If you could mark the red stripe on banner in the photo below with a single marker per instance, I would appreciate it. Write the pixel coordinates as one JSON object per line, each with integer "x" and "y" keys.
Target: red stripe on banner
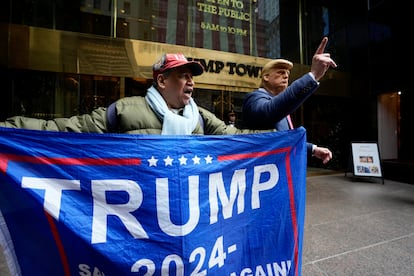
{"x": 293, "y": 211}
{"x": 5, "y": 158}
{"x": 59, "y": 244}
{"x": 290, "y": 188}
{"x": 240, "y": 156}
{"x": 3, "y": 163}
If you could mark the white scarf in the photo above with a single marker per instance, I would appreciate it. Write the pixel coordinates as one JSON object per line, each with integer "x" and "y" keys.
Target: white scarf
{"x": 173, "y": 124}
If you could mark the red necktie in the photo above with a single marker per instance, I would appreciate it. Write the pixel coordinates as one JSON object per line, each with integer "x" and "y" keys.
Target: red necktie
{"x": 289, "y": 121}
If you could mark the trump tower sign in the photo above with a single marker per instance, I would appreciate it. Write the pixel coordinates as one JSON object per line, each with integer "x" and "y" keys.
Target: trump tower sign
{"x": 119, "y": 204}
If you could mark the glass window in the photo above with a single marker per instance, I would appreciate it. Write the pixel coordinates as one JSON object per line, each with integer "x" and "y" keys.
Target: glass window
{"x": 96, "y": 4}
{"x": 231, "y": 26}
{"x": 127, "y": 8}
{"x": 48, "y": 95}
{"x": 97, "y": 91}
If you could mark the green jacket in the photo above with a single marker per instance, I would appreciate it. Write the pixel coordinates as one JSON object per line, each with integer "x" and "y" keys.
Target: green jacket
{"x": 133, "y": 115}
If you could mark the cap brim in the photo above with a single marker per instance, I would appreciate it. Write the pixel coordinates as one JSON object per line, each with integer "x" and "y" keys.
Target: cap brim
{"x": 276, "y": 64}
{"x": 281, "y": 63}
{"x": 195, "y": 67}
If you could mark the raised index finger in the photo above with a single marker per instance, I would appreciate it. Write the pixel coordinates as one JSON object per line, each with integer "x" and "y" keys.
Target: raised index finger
{"x": 321, "y": 47}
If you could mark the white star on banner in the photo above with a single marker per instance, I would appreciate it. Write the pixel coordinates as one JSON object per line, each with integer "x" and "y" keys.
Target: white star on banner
{"x": 208, "y": 159}
{"x": 168, "y": 161}
{"x": 183, "y": 160}
{"x": 196, "y": 160}
{"x": 152, "y": 162}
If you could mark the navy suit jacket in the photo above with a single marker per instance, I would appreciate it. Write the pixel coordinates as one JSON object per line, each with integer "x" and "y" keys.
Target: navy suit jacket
{"x": 263, "y": 110}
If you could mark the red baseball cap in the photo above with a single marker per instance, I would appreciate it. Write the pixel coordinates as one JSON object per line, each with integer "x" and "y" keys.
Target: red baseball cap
{"x": 169, "y": 61}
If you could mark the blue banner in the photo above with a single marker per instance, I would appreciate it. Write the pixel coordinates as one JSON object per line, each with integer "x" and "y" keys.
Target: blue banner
{"x": 118, "y": 204}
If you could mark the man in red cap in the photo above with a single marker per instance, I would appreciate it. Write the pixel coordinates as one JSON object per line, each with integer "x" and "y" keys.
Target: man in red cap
{"x": 168, "y": 108}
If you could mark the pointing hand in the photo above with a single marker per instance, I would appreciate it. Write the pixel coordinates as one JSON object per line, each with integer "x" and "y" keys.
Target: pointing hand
{"x": 321, "y": 61}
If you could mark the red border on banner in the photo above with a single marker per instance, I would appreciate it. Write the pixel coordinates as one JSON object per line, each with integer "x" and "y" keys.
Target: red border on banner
{"x": 290, "y": 187}
{"x": 5, "y": 158}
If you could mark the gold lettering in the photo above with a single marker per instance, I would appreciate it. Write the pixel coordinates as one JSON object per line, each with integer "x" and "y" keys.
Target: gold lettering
{"x": 209, "y": 26}
{"x": 207, "y": 8}
{"x": 234, "y": 14}
{"x": 237, "y": 4}
{"x": 223, "y": 2}
{"x": 223, "y": 29}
